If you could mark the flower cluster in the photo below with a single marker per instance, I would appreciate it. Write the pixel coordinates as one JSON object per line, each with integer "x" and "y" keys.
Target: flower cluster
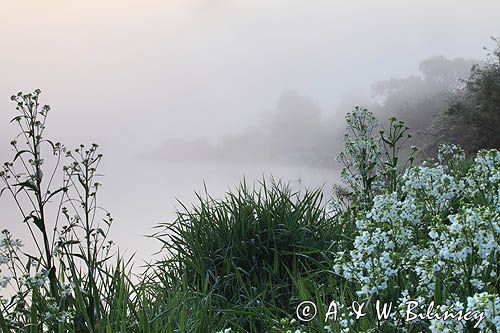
{"x": 54, "y": 315}
{"x": 384, "y": 242}
{"x": 466, "y": 248}
{"x": 450, "y": 154}
{"x": 483, "y": 179}
{"x": 8, "y": 249}
{"x": 484, "y": 303}
{"x": 432, "y": 186}
{"x": 437, "y": 238}
{"x": 489, "y": 304}
{"x": 361, "y": 155}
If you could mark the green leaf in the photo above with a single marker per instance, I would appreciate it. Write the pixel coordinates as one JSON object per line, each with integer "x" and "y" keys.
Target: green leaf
{"x": 27, "y": 184}
{"x": 16, "y": 118}
{"x": 99, "y": 230}
{"x": 81, "y": 306}
{"x": 39, "y": 223}
{"x": 19, "y": 153}
{"x": 55, "y": 192}
{"x": 3, "y": 323}
{"x": 71, "y": 242}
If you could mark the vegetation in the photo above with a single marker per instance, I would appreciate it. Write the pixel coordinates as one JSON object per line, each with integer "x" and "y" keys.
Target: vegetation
{"x": 433, "y": 238}
{"x": 472, "y": 119}
{"x": 248, "y": 252}
{"x": 452, "y": 101}
{"x": 73, "y": 280}
{"x": 394, "y": 231}
{"x": 447, "y": 101}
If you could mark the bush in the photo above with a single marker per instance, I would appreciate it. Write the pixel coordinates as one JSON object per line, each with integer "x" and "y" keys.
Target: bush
{"x": 433, "y": 237}
{"x": 472, "y": 119}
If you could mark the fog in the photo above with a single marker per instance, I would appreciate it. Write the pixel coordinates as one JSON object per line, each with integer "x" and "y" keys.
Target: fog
{"x": 178, "y": 93}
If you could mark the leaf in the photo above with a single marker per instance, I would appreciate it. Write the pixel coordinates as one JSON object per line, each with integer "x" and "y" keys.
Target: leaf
{"x": 16, "y": 118}
{"x": 28, "y": 264}
{"x": 3, "y": 324}
{"x": 19, "y": 153}
{"x": 99, "y": 230}
{"x": 55, "y": 192}
{"x": 27, "y": 218}
{"x": 39, "y": 223}
{"x": 81, "y": 307}
{"x": 71, "y": 242}
{"x": 27, "y": 184}
{"x": 78, "y": 255}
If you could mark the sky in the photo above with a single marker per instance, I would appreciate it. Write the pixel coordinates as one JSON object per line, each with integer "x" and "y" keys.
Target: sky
{"x": 134, "y": 75}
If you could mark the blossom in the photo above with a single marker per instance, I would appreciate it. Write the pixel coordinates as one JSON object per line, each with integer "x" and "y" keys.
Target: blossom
{"x": 489, "y": 305}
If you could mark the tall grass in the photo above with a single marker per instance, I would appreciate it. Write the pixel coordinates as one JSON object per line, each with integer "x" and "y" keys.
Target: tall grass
{"x": 246, "y": 251}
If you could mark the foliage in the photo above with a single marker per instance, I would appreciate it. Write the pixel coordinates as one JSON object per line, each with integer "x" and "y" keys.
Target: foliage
{"x": 395, "y": 232}
{"x": 433, "y": 237}
{"x": 418, "y": 99}
{"x": 371, "y": 158}
{"x": 246, "y": 250}
{"x": 472, "y": 119}
{"x": 68, "y": 283}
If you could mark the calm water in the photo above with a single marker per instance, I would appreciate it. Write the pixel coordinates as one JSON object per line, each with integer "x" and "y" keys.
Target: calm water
{"x": 143, "y": 194}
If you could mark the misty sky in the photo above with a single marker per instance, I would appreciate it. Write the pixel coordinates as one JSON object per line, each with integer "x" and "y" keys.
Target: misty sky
{"x": 132, "y": 75}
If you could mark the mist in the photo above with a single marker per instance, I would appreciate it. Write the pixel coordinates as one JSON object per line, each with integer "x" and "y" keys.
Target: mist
{"x": 186, "y": 94}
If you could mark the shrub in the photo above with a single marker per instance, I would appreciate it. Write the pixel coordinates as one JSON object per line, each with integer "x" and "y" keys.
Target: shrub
{"x": 436, "y": 239}
{"x": 472, "y": 118}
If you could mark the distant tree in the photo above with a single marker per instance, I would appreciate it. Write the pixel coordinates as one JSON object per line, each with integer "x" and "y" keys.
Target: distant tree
{"x": 473, "y": 117}
{"x": 417, "y": 99}
{"x": 293, "y": 132}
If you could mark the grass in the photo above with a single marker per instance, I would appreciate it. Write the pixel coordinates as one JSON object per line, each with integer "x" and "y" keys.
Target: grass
{"x": 248, "y": 252}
